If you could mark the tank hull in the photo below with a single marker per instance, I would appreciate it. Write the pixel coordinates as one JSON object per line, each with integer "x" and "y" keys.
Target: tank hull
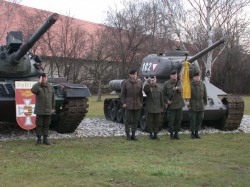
{"x": 8, "y": 111}
{"x": 71, "y": 103}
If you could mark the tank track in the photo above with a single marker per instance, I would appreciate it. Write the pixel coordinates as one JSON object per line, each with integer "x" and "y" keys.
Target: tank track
{"x": 71, "y": 115}
{"x": 232, "y": 119}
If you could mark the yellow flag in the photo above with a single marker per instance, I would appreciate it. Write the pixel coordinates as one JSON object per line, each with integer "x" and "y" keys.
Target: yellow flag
{"x": 186, "y": 81}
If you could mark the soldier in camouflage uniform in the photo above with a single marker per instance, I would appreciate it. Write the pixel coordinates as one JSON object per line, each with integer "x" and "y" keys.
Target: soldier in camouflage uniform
{"x": 198, "y": 103}
{"x": 132, "y": 98}
{"x": 154, "y": 106}
{"x": 172, "y": 93}
{"x": 45, "y": 106}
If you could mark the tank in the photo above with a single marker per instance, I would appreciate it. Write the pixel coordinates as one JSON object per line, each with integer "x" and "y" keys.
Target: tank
{"x": 18, "y": 64}
{"x": 225, "y": 113}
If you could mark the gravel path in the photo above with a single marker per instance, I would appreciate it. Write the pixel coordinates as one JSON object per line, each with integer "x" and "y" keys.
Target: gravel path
{"x": 91, "y": 127}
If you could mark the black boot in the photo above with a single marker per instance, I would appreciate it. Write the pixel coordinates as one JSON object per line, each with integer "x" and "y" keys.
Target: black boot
{"x": 133, "y": 136}
{"x": 192, "y": 135}
{"x": 38, "y": 140}
{"x": 176, "y": 136}
{"x": 171, "y": 136}
{"x": 45, "y": 141}
{"x": 155, "y": 136}
{"x": 151, "y": 136}
{"x": 197, "y": 135}
{"x": 128, "y": 136}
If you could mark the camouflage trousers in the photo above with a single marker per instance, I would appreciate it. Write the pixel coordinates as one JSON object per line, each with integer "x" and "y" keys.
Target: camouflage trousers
{"x": 42, "y": 124}
{"x": 195, "y": 120}
{"x": 131, "y": 118}
{"x": 153, "y": 122}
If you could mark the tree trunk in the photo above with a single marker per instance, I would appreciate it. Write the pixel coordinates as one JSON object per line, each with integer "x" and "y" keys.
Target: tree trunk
{"x": 99, "y": 89}
{"x": 209, "y": 42}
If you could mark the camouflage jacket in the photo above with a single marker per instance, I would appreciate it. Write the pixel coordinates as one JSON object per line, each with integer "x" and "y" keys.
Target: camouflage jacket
{"x": 45, "y": 98}
{"x": 175, "y": 96}
{"x": 155, "y": 101}
{"x": 198, "y": 96}
{"x": 131, "y": 94}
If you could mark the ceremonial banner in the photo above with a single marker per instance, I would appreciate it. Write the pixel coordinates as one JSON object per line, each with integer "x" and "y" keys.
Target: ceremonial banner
{"x": 186, "y": 81}
{"x": 25, "y": 104}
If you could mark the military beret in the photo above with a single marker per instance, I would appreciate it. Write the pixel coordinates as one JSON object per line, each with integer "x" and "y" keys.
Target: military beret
{"x": 152, "y": 76}
{"x": 173, "y": 72}
{"x": 196, "y": 74}
{"x": 132, "y": 72}
{"x": 43, "y": 75}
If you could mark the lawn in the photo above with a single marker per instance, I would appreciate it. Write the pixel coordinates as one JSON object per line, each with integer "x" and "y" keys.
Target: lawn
{"x": 96, "y": 107}
{"x": 247, "y": 104}
{"x": 214, "y": 160}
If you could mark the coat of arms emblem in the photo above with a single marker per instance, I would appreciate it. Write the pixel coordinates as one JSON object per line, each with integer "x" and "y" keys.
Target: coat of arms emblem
{"x": 25, "y": 104}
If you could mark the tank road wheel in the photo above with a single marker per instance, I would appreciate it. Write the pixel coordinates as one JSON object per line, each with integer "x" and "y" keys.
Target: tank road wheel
{"x": 235, "y": 109}
{"x": 143, "y": 119}
{"x": 71, "y": 115}
{"x": 112, "y": 110}
{"x": 119, "y": 112}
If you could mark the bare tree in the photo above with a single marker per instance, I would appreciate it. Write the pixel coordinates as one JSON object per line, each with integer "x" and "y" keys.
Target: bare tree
{"x": 173, "y": 15}
{"x": 62, "y": 46}
{"x": 205, "y": 17}
{"x": 232, "y": 72}
{"x": 131, "y": 28}
{"x": 7, "y": 11}
{"x": 100, "y": 55}
{"x": 71, "y": 45}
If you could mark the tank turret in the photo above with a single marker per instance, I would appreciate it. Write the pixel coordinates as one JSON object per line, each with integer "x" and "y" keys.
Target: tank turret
{"x": 28, "y": 44}
{"x": 17, "y": 65}
{"x": 162, "y": 64}
{"x": 14, "y": 59}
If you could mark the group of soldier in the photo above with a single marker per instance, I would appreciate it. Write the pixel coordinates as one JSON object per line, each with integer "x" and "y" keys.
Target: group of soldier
{"x": 157, "y": 97}
{"x": 132, "y": 100}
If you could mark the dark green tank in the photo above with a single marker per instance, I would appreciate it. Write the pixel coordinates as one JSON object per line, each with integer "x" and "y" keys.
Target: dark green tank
{"x": 223, "y": 113}
{"x": 17, "y": 64}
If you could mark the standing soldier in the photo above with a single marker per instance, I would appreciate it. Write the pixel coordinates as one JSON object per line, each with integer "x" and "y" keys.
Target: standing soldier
{"x": 45, "y": 106}
{"x": 132, "y": 98}
{"x": 198, "y": 103}
{"x": 154, "y": 106}
{"x": 172, "y": 92}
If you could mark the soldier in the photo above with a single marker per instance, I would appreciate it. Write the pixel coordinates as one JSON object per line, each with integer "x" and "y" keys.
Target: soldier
{"x": 132, "y": 98}
{"x": 45, "y": 106}
{"x": 198, "y": 103}
{"x": 154, "y": 106}
{"x": 172, "y": 92}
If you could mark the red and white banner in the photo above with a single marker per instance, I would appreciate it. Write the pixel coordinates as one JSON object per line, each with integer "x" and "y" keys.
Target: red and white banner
{"x": 25, "y": 104}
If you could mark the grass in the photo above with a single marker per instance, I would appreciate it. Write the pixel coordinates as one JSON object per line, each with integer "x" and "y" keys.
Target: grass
{"x": 246, "y": 104}
{"x": 214, "y": 160}
{"x": 96, "y": 107}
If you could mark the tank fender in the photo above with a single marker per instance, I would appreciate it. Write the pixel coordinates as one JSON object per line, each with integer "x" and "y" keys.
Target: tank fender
{"x": 73, "y": 90}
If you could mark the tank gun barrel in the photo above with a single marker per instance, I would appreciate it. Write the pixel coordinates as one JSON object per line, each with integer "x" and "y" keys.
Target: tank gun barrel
{"x": 200, "y": 54}
{"x": 28, "y": 44}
